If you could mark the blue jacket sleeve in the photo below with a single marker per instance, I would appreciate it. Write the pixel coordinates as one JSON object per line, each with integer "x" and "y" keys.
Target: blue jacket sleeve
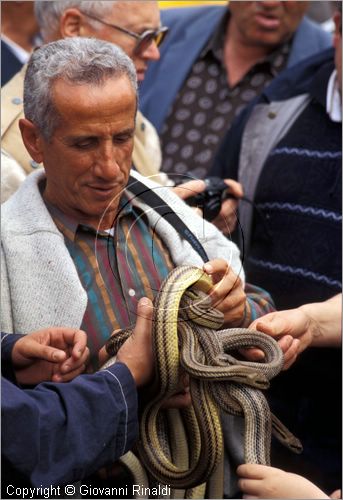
{"x": 7, "y": 342}
{"x": 59, "y": 433}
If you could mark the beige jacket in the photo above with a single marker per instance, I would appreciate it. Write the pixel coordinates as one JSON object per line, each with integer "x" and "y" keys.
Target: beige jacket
{"x": 146, "y": 156}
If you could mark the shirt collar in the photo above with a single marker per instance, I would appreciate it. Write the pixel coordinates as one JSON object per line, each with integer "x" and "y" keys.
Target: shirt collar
{"x": 69, "y": 226}
{"x": 21, "y": 54}
{"x": 334, "y": 99}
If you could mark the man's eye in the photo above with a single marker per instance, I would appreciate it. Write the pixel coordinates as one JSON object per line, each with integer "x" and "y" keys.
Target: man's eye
{"x": 121, "y": 139}
{"x": 84, "y": 144}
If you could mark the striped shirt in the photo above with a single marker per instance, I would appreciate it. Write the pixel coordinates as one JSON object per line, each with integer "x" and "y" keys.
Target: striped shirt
{"x": 116, "y": 268}
{"x": 119, "y": 266}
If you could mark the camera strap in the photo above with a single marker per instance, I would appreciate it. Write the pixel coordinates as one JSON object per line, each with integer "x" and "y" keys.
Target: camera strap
{"x": 150, "y": 198}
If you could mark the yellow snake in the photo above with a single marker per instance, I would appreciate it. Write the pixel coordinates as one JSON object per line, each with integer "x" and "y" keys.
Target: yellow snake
{"x": 184, "y": 335}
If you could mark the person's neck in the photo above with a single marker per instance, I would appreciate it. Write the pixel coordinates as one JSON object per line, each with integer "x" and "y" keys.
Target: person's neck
{"x": 22, "y": 34}
{"x": 102, "y": 222}
{"x": 240, "y": 56}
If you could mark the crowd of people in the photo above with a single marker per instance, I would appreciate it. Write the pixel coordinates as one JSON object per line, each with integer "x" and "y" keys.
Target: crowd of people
{"x": 118, "y": 95}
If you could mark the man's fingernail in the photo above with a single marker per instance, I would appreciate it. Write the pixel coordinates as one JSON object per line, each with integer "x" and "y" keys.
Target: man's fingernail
{"x": 208, "y": 268}
{"x": 144, "y": 301}
{"x": 57, "y": 356}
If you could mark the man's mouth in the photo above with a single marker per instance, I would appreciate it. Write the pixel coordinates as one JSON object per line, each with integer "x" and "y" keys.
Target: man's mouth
{"x": 267, "y": 22}
{"x": 103, "y": 191}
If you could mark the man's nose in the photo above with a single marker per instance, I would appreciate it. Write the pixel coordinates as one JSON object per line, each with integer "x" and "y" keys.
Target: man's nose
{"x": 152, "y": 52}
{"x": 106, "y": 165}
{"x": 268, "y": 4}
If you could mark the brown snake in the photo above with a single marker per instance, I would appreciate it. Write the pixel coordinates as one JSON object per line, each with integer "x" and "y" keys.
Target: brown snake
{"x": 185, "y": 333}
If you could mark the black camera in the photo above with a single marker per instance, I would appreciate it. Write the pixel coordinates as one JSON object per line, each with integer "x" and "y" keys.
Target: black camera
{"x": 210, "y": 200}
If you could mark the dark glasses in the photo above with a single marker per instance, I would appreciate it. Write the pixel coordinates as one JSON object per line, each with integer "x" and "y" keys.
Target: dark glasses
{"x": 143, "y": 40}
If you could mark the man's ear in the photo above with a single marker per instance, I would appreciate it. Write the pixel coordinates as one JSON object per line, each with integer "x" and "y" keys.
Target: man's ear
{"x": 32, "y": 139}
{"x": 72, "y": 24}
{"x": 337, "y": 18}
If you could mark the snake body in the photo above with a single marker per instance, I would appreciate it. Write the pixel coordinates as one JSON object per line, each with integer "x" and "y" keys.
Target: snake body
{"x": 184, "y": 335}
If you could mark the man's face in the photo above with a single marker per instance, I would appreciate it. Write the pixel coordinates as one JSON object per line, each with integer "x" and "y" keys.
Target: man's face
{"x": 266, "y": 23}
{"x": 137, "y": 16}
{"x": 88, "y": 158}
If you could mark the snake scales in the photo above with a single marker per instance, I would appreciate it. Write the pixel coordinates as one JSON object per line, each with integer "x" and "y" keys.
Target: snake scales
{"x": 185, "y": 333}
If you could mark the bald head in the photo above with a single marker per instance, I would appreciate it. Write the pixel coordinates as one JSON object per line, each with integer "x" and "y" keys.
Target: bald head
{"x": 49, "y": 14}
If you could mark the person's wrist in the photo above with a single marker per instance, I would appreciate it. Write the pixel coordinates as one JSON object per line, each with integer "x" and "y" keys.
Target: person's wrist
{"x": 311, "y": 328}
{"x": 246, "y": 319}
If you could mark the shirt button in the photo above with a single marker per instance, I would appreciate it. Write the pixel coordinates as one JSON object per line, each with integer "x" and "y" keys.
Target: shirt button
{"x": 142, "y": 127}
{"x": 272, "y": 115}
{"x": 132, "y": 293}
{"x": 16, "y": 100}
{"x": 34, "y": 164}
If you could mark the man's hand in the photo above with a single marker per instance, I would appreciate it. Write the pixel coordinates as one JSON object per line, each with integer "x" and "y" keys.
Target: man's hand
{"x": 289, "y": 344}
{"x": 317, "y": 324}
{"x": 189, "y": 188}
{"x": 227, "y": 293}
{"x": 54, "y": 354}
{"x": 292, "y": 329}
{"x": 182, "y": 398}
{"x": 136, "y": 352}
{"x": 226, "y": 221}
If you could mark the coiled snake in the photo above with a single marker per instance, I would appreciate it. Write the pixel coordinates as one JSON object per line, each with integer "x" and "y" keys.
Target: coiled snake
{"x": 185, "y": 333}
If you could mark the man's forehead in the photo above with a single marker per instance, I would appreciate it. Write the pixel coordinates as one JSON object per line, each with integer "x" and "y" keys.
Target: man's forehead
{"x": 135, "y": 12}
{"x": 68, "y": 97}
{"x": 91, "y": 84}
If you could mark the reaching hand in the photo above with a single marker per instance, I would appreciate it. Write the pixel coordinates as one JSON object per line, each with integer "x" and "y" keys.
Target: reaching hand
{"x": 136, "y": 352}
{"x": 292, "y": 329}
{"x": 54, "y": 354}
{"x": 261, "y": 481}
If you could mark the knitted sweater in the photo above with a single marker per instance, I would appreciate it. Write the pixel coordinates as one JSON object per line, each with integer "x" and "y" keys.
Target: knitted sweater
{"x": 296, "y": 243}
{"x": 293, "y": 241}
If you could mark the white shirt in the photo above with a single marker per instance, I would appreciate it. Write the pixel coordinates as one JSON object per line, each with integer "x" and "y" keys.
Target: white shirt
{"x": 334, "y": 99}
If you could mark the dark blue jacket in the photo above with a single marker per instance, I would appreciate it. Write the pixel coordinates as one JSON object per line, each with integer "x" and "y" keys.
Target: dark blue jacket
{"x": 10, "y": 65}
{"x": 58, "y": 433}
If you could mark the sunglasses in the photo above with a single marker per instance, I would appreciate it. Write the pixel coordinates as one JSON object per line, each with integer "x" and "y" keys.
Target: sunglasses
{"x": 143, "y": 40}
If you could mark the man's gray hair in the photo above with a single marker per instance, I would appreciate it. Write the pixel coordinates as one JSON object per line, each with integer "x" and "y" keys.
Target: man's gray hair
{"x": 48, "y": 13}
{"x": 80, "y": 61}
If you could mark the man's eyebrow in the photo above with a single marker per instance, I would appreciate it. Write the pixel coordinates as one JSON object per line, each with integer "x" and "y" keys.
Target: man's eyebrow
{"x": 81, "y": 137}
{"x": 129, "y": 131}
{"x": 69, "y": 139}
{"x": 140, "y": 29}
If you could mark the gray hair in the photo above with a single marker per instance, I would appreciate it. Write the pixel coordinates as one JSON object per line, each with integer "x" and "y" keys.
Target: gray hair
{"x": 75, "y": 60}
{"x": 48, "y": 13}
